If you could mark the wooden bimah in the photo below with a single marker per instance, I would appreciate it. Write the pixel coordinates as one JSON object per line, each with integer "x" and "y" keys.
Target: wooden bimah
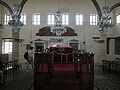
{"x": 63, "y": 68}
{"x": 62, "y": 54}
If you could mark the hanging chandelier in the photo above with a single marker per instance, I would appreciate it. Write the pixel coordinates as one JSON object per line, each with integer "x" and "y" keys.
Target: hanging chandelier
{"x": 15, "y": 18}
{"x": 105, "y": 22}
{"x": 58, "y": 28}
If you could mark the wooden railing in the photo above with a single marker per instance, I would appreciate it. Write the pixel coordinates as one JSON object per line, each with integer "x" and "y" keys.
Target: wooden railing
{"x": 79, "y": 60}
{"x": 9, "y": 68}
{"x": 86, "y": 61}
{"x": 41, "y": 59}
{"x": 52, "y": 77}
{"x": 63, "y": 57}
{"x": 11, "y": 65}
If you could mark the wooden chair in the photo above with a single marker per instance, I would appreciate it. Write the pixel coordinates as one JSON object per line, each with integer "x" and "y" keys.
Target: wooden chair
{"x": 105, "y": 65}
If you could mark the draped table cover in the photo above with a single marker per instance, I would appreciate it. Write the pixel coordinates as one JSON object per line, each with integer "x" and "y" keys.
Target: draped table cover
{"x": 62, "y": 53}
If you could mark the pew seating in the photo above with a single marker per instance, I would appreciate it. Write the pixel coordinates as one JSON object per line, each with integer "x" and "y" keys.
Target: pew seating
{"x": 111, "y": 66}
{"x": 10, "y": 68}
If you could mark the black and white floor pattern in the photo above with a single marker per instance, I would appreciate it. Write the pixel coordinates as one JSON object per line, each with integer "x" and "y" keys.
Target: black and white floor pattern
{"x": 25, "y": 81}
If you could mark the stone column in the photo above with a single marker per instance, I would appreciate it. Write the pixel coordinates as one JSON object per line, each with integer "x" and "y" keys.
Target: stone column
{"x": 15, "y": 7}
{"x": 15, "y": 46}
{"x": 16, "y": 24}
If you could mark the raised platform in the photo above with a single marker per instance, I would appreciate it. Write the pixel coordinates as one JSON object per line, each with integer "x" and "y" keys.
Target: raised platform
{"x": 63, "y": 81}
{"x": 52, "y": 75}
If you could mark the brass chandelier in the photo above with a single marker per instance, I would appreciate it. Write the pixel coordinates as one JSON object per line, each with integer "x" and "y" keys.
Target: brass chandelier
{"x": 58, "y": 28}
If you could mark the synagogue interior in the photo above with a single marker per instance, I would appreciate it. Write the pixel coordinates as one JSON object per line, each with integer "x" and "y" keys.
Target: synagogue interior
{"x": 59, "y": 44}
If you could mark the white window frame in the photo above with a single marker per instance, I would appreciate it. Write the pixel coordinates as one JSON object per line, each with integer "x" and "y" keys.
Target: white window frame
{"x": 23, "y": 18}
{"x": 51, "y": 19}
{"x": 79, "y": 19}
{"x": 7, "y": 19}
{"x": 6, "y": 46}
{"x": 36, "y": 19}
{"x": 65, "y": 19}
{"x": 118, "y": 19}
{"x": 93, "y": 19}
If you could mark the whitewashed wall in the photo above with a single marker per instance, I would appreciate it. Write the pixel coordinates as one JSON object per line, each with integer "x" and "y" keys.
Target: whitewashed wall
{"x": 85, "y": 32}
{"x": 112, "y": 55}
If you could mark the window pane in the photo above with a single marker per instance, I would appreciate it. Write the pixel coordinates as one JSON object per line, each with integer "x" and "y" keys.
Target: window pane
{"x": 50, "y": 19}
{"x": 36, "y": 19}
{"x": 118, "y": 19}
{"x": 6, "y": 46}
{"x": 65, "y": 19}
{"x": 7, "y": 19}
{"x": 79, "y": 19}
{"x": 23, "y": 18}
{"x": 93, "y": 19}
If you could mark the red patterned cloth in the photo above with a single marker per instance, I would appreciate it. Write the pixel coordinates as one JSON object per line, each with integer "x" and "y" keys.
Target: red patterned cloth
{"x": 62, "y": 53}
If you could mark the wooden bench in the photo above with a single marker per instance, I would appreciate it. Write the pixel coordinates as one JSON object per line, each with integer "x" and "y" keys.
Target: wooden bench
{"x": 110, "y": 66}
{"x": 10, "y": 68}
{"x": 12, "y": 65}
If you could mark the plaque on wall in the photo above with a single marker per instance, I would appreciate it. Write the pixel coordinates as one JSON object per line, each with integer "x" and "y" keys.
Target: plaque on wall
{"x": 56, "y": 40}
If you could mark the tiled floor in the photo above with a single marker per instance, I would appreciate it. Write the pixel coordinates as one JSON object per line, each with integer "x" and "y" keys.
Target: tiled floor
{"x": 25, "y": 81}
{"x": 21, "y": 80}
{"x": 106, "y": 81}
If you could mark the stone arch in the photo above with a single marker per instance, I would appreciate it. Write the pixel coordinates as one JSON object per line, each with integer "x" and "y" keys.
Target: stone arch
{"x": 97, "y": 8}
{"x": 115, "y": 6}
{"x": 22, "y": 4}
{"x": 6, "y": 5}
{"x": 10, "y": 10}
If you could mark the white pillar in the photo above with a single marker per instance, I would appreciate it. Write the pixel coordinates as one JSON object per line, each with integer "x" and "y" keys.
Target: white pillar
{"x": 15, "y": 46}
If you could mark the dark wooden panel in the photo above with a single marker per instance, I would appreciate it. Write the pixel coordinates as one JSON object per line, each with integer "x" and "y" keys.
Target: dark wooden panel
{"x": 45, "y": 31}
{"x": 4, "y": 57}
